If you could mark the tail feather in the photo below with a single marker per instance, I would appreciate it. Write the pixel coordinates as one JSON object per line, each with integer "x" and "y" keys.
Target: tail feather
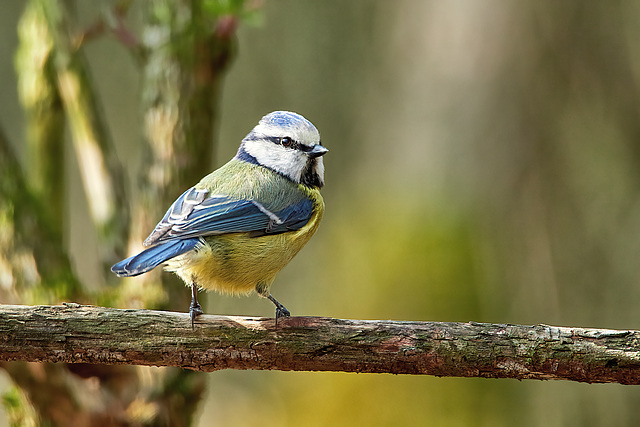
{"x": 152, "y": 257}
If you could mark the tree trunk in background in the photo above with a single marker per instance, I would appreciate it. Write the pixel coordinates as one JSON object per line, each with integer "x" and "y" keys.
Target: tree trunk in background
{"x": 185, "y": 51}
{"x": 32, "y": 208}
{"x": 101, "y": 173}
{"x": 186, "y": 55}
{"x": 44, "y": 114}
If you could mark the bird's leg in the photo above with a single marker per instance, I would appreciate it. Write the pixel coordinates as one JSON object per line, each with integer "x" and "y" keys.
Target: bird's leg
{"x": 263, "y": 290}
{"x": 194, "y": 309}
{"x": 281, "y": 311}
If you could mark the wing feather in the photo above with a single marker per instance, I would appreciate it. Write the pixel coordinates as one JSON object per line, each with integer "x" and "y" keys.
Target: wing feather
{"x": 196, "y": 213}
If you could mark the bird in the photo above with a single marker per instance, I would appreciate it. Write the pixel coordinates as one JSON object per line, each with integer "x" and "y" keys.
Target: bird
{"x": 240, "y": 225}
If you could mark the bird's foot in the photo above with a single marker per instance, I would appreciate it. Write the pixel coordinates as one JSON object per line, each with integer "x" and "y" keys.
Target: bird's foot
{"x": 281, "y": 310}
{"x": 194, "y": 311}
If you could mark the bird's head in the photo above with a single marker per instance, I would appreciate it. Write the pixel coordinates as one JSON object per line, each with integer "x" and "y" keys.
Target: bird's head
{"x": 286, "y": 143}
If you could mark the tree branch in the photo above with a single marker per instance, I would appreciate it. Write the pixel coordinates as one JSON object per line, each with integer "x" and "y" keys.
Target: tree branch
{"x": 86, "y": 334}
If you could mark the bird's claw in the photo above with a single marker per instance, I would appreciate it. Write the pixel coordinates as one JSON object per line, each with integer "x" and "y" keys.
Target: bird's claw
{"x": 194, "y": 311}
{"x": 281, "y": 312}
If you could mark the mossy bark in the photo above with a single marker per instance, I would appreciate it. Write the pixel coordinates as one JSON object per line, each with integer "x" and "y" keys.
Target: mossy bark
{"x": 84, "y": 334}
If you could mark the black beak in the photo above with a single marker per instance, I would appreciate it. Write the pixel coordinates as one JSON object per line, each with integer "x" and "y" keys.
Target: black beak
{"x": 317, "y": 151}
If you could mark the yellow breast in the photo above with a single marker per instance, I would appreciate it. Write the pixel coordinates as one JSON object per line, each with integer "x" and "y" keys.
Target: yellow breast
{"x": 235, "y": 263}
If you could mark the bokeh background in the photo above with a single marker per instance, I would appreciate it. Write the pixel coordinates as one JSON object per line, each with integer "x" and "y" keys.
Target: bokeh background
{"x": 484, "y": 165}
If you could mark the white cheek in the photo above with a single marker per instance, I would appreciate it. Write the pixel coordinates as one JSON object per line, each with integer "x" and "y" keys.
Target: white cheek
{"x": 319, "y": 169}
{"x": 283, "y": 160}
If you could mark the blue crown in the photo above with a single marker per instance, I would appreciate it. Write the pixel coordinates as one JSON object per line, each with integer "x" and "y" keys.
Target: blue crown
{"x": 287, "y": 119}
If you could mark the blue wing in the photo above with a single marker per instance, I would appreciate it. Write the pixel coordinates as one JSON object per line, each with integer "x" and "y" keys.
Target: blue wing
{"x": 196, "y": 214}
{"x": 152, "y": 257}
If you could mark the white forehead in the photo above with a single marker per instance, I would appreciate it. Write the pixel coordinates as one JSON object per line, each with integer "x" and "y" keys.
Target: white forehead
{"x": 286, "y": 123}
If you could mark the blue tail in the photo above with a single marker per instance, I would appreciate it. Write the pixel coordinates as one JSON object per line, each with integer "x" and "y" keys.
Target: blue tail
{"x": 152, "y": 257}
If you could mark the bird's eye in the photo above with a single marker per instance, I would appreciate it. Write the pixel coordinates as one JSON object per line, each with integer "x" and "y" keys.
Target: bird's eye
{"x": 286, "y": 141}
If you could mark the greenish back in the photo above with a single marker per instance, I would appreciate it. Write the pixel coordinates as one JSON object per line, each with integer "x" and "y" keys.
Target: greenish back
{"x": 242, "y": 180}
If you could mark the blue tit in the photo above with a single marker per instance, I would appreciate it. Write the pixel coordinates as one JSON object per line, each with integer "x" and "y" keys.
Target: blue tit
{"x": 241, "y": 224}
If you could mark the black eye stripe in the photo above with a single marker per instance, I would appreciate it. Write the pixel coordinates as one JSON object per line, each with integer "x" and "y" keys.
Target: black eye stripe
{"x": 274, "y": 139}
{"x": 295, "y": 145}
{"x": 285, "y": 141}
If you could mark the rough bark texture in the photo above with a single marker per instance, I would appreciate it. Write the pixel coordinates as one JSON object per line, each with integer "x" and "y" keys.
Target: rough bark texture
{"x": 97, "y": 335}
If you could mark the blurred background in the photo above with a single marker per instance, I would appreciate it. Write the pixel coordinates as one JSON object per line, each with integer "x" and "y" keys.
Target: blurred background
{"x": 484, "y": 165}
